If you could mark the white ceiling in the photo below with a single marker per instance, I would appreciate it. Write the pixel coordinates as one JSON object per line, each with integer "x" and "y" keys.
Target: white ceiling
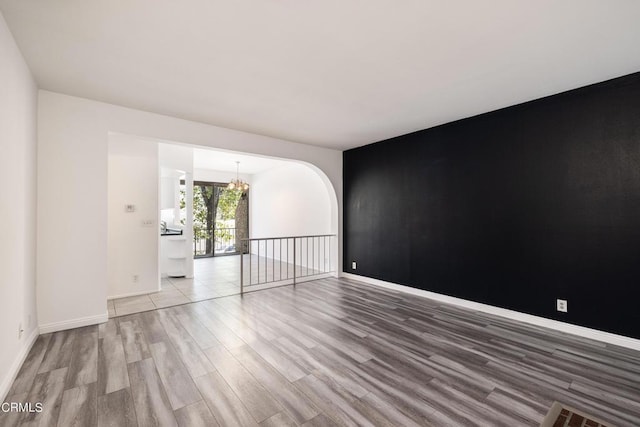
{"x": 226, "y": 162}
{"x": 335, "y": 73}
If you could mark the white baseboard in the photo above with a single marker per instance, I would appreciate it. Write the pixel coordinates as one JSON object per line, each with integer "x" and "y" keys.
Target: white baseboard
{"x": 7, "y": 381}
{"x": 568, "y": 328}
{"x": 74, "y": 323}
{"x": 133, "y": 294}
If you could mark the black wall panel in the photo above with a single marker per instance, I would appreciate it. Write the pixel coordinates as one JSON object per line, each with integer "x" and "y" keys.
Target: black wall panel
{"x": 513, "y": 208}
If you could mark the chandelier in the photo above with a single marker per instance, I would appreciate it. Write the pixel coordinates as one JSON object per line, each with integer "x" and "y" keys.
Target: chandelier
{"x": 238, "y": 184}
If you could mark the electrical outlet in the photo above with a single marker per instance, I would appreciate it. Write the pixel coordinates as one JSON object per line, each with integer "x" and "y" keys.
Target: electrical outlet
{"x": 353, "y": 265}
{"x": 561, "y": 305}
{"x": 136, "y": 278}
{"x": 20, "y": 330}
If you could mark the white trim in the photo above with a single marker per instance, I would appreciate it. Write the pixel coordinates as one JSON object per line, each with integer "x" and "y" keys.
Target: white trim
{"x": 74, "y": 323}
{"x": 133, "y": 294}
{"x": 7, "y": 382}
{"x": 568, "y": 328}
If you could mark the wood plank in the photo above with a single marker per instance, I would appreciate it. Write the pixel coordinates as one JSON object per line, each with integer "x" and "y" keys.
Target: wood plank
{"x": 59, "y": 350}
{"x": 395, "y": 415}
{"x": 396, "y": 389}
{"x": 253, "y": 395}
{"x": 30, "y": 366}
{"x": 196, "y": 415}
{"x": 250, "y": 327}
{"x": 47, "y": 389}
{"x": 297, "y": 405}
{"x": 83, "y": 366}
{"x": 224, "y": 404}
{"x": 348, "y": 402}
{"x": 332, "y": 404}
{"x": 79, "y": 406}
{"x": 281, "y": 419}
{"x": 112, "y": 366}
{"x": 201, "y": 335}
{"x": 320, "y": 421}
{"x": 13, "y": 418}
{"x": 110, "y": 327}
{"x": 150, "y": 399}
{"x": 152, "y": 327}
{"x": 117, "y": 409}
{"x": 280, "y": 361}
{"x": 190, "y": 353}
{"x": 338, "y": 341}
{"x": 134, "y": 341}
{"x": 174, "y": 376}
{"x": 222, "y": 333}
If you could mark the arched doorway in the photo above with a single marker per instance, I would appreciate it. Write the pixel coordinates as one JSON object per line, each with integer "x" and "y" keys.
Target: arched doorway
{"x": 286, "y": 198}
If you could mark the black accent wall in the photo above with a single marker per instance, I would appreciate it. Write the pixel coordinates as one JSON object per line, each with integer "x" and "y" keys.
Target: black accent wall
{"x": 513, "y": 208}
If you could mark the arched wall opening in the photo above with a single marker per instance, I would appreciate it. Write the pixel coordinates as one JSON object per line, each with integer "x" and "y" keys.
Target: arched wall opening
{"x": 286, "y": 198}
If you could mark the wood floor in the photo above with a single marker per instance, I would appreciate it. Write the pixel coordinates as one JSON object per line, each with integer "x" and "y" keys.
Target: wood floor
{"x": 327, "y": 352}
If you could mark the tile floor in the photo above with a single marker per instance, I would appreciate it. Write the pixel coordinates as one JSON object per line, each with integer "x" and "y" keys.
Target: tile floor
{"x": 213, "y": 277}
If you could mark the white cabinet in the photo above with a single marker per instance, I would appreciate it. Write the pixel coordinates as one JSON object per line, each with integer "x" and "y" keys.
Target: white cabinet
{"x": 168, "y": 192}
{"x": 173, "y": 257}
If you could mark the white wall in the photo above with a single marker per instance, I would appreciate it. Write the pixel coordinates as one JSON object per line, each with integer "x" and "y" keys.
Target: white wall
{"x": 133, "y": 179}
{"x": 288, "y": 201}
{"x": 18, "y": 104}
{"x": 176, "y": 157}
{"x": 209, "y": 175}
{"x": 72, "y": 224}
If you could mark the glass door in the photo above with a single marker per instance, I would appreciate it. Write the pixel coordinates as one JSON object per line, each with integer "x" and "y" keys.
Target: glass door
{"x": 220, "y": 219}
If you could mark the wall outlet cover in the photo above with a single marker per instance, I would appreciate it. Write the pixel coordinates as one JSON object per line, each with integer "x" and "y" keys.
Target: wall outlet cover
{"x": 561, "y": 305}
